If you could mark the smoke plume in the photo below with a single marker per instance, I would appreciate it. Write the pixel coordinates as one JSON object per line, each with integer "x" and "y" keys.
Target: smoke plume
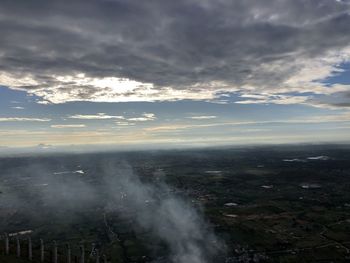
{"x": 114, "y": 188}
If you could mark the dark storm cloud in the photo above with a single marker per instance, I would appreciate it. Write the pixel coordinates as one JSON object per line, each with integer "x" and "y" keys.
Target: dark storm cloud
{"x": 168, "y": 43}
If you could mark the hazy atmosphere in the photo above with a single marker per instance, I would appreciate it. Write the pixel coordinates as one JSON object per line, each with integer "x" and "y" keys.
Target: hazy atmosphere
{"x": 174, "y": 131}
{"x": 173, "y": 73}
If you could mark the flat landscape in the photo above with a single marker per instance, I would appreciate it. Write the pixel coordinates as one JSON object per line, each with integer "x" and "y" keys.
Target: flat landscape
{"x": 252, "y": 204}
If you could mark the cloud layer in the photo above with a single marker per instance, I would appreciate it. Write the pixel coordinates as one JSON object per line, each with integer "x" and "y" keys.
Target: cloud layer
{"x": 117, "y": 50}
{"x": 11, "y": 119}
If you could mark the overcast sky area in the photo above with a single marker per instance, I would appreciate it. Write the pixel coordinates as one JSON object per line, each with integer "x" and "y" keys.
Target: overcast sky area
{"x": 164, "y": 73}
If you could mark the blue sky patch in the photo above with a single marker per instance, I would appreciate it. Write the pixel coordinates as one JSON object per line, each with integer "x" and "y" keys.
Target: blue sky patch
{"x": 339, "y": 77}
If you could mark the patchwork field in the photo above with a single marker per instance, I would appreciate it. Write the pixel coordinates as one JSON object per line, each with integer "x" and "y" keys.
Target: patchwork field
{"x": 268, "y": 204}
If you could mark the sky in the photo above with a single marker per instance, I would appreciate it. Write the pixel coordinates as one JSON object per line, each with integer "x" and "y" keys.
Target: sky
{"x": 164, "y": 73}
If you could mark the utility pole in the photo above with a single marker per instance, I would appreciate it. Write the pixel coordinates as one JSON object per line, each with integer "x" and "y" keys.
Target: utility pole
{"x": 54, "y": 260}
{"x": 30, "y": 251}
{"x": 42, "y": 251}
{"x": 7, "y": 246}
{"x": 18, "y": 247}
{"x": 82, "y": 253}
{"x": 68, "y": 254}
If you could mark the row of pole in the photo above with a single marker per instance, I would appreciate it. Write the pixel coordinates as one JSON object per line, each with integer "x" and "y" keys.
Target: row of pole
{"x": 54, "y": 251}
